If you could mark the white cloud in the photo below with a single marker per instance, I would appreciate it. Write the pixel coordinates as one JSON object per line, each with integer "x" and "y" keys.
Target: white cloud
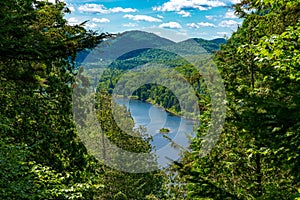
{"x": 184, "y": 13}
{"x": 177, "y": 5}
{"x": 230, "y": 15}
{"x": 73, "y": 21}
{"x": 124, "y": 10}
{"x": 210, "y": 17}
{"x": 206, "y": 24}
{"x": 235, "y": 1}
{"x": 203, "y": 33}
{"x": 91, "y": 25}
{"x": 215, "y": 37}
{"x": 99, "y": 8}
{"x": 229, "y": 23}
{"x": 130, "y": 25}
{"x": 159, "y": 16}
{"x": 222, "y": 33}
{"x": 200, "y": 24}
{"x": 142, "y": 18}
{"x": 171, "y": 34}
{"x": 101, "y": 20}
{"x": 51, "y": 1}
{"x": 71, "y": 8}
{"x": 193, "y": 25}
{"x": 93, "y": 8}
{"x": 173, "y": 25}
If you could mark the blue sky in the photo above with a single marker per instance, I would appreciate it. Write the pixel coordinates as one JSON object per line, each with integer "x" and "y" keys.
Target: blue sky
{"x": 174, "y": 19}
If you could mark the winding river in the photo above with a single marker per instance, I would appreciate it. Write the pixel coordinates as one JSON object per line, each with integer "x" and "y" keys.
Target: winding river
{"x": 153, "y": 118}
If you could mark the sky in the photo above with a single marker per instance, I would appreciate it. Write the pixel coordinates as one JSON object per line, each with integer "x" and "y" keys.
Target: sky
{"x": 173, "y": 19}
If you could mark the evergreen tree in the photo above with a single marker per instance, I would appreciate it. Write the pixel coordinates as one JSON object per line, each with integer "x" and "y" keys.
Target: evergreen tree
{"x": 257, "y": 156}
{"x": 41, "y": 155}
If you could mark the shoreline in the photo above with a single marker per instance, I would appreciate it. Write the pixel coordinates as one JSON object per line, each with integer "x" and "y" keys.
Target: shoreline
{"x": 194, "y": 118}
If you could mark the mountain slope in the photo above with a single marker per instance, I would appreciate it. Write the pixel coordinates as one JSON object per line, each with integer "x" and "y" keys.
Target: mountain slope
{"x": 133, "y": 44}
{"x": 161, "y": 52}
{"x": 209, "y": 45}
{"x": 124, "y": 43}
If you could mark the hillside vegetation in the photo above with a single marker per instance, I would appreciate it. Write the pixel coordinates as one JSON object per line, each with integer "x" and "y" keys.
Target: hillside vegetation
{"x": 256, "y": 156}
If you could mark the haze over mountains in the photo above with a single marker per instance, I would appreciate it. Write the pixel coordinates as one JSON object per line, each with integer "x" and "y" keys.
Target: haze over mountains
{"x": 136, "y": 42}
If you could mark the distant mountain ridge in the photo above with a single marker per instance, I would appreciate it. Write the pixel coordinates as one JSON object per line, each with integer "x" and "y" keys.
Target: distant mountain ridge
{"x": 209, "y": 45}
{"x": 161, "y": 58}
{"x": 139, "y": 41}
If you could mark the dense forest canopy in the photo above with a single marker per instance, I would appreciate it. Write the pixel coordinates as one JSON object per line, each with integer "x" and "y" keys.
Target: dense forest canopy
{"x": 257, "y": 156}
{"x": 41, "y": 154}
{"x": 43, "y": 157}
{"x": 168, "y": 69}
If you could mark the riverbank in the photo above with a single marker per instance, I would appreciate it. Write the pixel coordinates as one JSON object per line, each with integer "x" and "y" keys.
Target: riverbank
{"x": 188, "y": 116}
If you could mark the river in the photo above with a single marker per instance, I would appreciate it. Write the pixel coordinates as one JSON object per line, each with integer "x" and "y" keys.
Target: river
{"x": 153, "y": 118}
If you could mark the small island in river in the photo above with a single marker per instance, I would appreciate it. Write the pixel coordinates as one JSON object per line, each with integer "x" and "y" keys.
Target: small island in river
{"x": 164, "y": 130}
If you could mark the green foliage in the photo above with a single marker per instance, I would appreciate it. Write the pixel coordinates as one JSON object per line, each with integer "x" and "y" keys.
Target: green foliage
{"x": 164, "y": 130}
{"x": 257, "y": 156}
{"x": 160, "y": 54}
{"x": 116, "y": 126}
{"x": 157, "y": 93}
{"x": 41, "y": 155}
{"x": 130, "y": 140}
{"x": 23, "y": 179}
{"x": 118, "y": 184}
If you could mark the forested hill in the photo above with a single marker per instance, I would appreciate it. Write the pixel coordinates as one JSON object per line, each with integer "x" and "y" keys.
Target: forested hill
{"x": 122, "y": 46}
{"x": 209, "y": 45}
{"x": 163, "y": 53}
{"x": 124, "y": 42}
{"x": 252, "y": 155}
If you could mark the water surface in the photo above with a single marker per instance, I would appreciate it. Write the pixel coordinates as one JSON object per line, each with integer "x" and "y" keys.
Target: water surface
{"x": 153, "y": 118}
